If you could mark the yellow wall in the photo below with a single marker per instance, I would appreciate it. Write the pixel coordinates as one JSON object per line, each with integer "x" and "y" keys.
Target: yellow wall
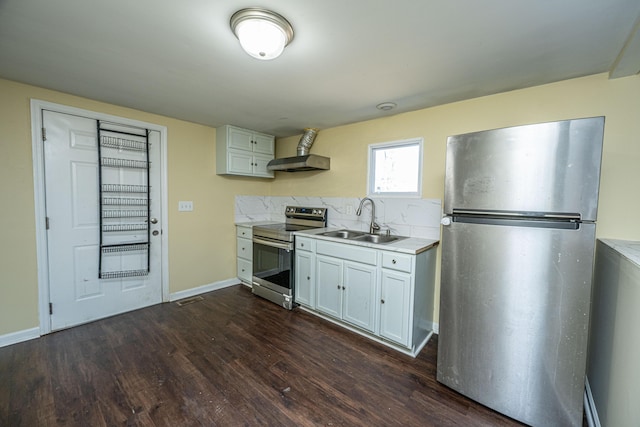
{"x": 201, "y": 243}
{"x": 618, "y": 100}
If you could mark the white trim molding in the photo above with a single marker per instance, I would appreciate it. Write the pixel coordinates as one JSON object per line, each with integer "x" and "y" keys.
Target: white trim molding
{"x": 20, "y": 336}
{"x": 37, "y": 107}
{"x": 175, "y": 296}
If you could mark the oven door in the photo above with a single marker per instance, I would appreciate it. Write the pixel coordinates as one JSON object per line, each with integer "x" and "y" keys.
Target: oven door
{"x": 273, "y": 265}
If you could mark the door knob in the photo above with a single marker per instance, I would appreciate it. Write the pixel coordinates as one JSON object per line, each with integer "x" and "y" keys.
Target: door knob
{"x": 155, "y": 232}
{"x": 154, "y": 220}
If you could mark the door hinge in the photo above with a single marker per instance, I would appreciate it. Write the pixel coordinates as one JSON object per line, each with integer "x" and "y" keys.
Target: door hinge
{"x": 46, "y": 222}
{"x": 50, "y": 308}
{"x": 44, "y": 134}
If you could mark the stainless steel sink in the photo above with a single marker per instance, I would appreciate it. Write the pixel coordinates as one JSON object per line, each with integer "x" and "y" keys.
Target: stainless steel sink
{"x": 377, "y": 238}
{"x": 361, "y": 236}
{"x": 343, "y": 234}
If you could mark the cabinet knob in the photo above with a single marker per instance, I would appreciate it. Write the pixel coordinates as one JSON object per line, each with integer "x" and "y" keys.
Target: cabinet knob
{"x": 302, "y": 245}
{"x": 308, "y": 278}
{"x": 338, "y": 286}
{"x": 393, "y": 261}
{"x": 382, "y": 301}
{"x": 343, "y": 288}
{"x": 243, "y": 270}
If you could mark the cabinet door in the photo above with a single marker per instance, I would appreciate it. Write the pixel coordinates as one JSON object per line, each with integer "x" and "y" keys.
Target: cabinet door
{"x": 395, "y": 310}
{"x": 239, "y": 162}
{"x": 239, "y": 139}
{"x": 264, "y": 144}
{"x": 329, "y": 286}
{"x": 304, "y": 291}
{"x": 359, "y": 287}
{"x": 244, "y": 270}
{"x": 260, "y": 165}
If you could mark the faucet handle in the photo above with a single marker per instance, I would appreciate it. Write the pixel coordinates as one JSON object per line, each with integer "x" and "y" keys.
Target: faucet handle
{"x": 373, "y": 227}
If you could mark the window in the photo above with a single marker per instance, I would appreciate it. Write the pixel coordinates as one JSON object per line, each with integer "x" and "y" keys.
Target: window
{"x": 395, "y": 168}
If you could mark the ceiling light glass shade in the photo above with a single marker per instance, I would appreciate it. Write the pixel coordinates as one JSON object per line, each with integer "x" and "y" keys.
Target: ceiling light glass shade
{"x": 263, "y": 34}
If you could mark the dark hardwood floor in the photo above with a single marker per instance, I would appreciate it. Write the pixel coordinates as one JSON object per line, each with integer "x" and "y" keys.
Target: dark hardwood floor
{"x": 231, "y": 359}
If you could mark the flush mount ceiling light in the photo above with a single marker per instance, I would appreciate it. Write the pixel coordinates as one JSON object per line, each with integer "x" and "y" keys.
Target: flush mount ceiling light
{"x": 263, "y": 34}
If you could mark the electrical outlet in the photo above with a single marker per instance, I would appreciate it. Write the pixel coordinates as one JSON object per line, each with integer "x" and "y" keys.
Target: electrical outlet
{"x": 185, "y": 206}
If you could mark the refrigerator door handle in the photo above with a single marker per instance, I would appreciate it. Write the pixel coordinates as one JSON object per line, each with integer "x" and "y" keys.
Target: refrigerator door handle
{"x": 518, "y": 222}
{"x": 553, "y": 216}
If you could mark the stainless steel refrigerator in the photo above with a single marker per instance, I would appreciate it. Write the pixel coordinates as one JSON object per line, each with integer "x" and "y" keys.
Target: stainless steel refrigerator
{"x": 518, "y": 242}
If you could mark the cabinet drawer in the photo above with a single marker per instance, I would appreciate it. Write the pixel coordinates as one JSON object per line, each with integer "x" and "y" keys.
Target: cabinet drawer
{"x": 304, "y": 243}
{"x": 396, "y": 261}
{"x": 245, "y": 249}
{"x": 347, "y": 252}
{"x": 244, "y": 232}
{"x": 244, "y": 270}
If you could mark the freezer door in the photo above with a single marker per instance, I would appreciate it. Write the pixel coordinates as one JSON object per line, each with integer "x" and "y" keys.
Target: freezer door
{"x": 548, "y": 167}
{"x": 514, "y": 317}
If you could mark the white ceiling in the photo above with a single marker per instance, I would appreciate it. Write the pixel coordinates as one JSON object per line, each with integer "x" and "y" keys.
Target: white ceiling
{"x": 180, "y": 58}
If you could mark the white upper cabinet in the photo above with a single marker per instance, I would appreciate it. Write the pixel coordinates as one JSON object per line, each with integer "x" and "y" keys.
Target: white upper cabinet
{"x": 243, "y": 152}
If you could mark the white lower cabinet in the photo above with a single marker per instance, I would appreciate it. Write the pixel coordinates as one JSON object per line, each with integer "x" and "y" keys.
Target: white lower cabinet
{"x": 395, "y": 299}
{"x": 359, "y": 295}
{"x": 385, "y": 295}
{"x": 304, "y": 271}
{"x": 345, "y": 291}
{"x": 329, "y": 286}
{"x": 244, "y": 254}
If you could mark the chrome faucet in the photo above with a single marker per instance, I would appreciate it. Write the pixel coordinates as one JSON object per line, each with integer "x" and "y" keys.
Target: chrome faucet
{"x": 373, "y": 226}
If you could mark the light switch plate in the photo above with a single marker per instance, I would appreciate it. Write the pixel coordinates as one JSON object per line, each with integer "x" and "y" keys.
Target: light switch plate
{"x": 185, "y": 206}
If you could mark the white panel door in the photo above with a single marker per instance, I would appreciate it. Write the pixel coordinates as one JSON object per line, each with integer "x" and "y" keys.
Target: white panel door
{"x": 72, "y": 203}
{"x": 359, "y": 294}
{"x": 395, "y": 306}
{"x": 305, "y": 291}
{"x": 329, "y": 286}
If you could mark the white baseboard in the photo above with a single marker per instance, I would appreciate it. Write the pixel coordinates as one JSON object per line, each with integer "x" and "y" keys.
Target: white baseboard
{"x": 203, "y": 289}
{"x": 29, "y": 334}
{"x": 590, "y": 406}
{"x": 20, "y": 336}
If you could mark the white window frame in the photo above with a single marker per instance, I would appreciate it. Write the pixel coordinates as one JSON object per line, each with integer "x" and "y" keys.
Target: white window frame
{"x": 371, "y": 167}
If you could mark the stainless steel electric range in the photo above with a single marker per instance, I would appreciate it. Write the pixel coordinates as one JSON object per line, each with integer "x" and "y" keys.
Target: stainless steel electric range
{"x": 273, "y": 253}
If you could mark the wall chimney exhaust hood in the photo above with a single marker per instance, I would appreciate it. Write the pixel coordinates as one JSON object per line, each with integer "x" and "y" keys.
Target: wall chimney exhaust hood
{"x": 307, "y": 162}
{"x": 303, "y": 161}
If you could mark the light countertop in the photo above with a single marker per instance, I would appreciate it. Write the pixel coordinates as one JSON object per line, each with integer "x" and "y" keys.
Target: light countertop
{"x": 628, "y": 248}
{"x": 256, "y": 223}
{"x": 409, "y": 245}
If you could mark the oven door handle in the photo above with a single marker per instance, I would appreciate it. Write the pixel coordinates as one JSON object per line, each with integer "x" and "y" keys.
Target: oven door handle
{"x": 275, "y": 244}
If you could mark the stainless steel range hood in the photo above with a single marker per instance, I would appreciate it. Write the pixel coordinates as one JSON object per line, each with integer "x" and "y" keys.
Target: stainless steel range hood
{"x": 308, "y": 162}
{"x": 303, "y": 161}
